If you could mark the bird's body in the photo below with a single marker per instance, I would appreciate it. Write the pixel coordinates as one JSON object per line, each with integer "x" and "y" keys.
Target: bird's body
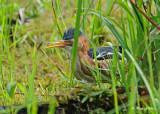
{"x": 102, "y": 53}
{"x": 87, "y": 66}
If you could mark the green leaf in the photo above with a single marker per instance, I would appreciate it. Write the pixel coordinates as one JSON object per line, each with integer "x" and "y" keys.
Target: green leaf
{"x": 21, "y": 87}
{"x": 11, "y": 87}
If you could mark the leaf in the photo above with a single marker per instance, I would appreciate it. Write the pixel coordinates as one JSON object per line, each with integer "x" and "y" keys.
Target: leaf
{"x": 11, "y": 87}
{"x": 84, "y": 99}
{"x": 21, "y": 87}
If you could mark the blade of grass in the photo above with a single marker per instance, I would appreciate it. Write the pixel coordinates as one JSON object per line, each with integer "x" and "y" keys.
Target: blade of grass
{"x": 112, "y": 29}
{"x": 114, "y": 81}
{"x": 32, "y": 106}
{"x": 109, "y": 5}
{"x": 75, "y": 44}
{"x": 143, "y": 78}
{"x": 56, "y": 19}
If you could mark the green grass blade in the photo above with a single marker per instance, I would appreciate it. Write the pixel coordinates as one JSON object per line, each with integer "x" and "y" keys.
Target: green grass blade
{"x": 75, "y": 44}
{"x": 143, "y": 78}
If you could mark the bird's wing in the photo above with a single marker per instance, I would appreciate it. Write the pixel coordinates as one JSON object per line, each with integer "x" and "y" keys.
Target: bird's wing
{"x": 103, "y": 53}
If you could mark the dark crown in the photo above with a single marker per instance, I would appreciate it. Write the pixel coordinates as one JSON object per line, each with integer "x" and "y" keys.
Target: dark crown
{"x": 69, "y": 34}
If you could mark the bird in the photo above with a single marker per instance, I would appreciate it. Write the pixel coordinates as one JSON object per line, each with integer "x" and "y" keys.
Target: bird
{"x": 88, "y": 59}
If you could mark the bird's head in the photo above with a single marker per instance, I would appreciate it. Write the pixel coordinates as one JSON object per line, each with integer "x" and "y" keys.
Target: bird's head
{"x": 68, "y": 39}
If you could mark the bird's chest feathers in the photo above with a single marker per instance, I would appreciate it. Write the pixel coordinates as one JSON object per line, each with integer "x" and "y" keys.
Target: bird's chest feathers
{"x": 85, "y": 58}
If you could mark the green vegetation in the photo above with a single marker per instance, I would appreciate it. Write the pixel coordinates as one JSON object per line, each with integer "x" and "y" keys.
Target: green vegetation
{"x": 31, "y": 74}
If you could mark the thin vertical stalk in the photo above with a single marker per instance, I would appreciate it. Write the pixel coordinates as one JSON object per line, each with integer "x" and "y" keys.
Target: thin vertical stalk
{"x": 75, "y": 44}
{"x": 56, "y": 18}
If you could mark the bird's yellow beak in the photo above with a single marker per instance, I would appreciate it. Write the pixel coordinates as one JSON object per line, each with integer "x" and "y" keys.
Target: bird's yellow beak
{"x": 60, "y": 44}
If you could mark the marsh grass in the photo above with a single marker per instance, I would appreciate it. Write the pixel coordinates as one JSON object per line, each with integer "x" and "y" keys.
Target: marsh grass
{"x": 121, "y": 19}
{"x": 75, "y": 44}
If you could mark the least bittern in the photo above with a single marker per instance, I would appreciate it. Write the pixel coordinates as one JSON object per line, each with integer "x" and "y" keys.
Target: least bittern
{"x": 86, "y": 64}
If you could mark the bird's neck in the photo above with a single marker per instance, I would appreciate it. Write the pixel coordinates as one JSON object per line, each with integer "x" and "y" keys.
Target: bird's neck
{"x": 83, "y": 51}
{"x": 83, "y": 45}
